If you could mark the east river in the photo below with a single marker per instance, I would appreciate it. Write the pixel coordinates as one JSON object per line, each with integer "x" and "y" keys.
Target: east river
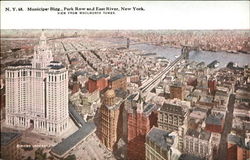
{"x": 170, "y": 54}
{"x": 200, "y": 56}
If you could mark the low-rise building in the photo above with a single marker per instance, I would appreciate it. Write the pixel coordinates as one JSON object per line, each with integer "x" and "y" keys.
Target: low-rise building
{"x": 238, "y": 148}
{"x": 2, "y": 103}
{"x": 215, "y": 122}
{"x": 197, "y": 142}
{"x": 172, "y": 116}
{"x": 177, "y": 90}
{"x": 158, "y": 144}
{"x": 206, "y": 101}
{"x": 221, "y": 100}
{"x": 9, "y": 146}
{"x": 97, "y": 82}
{"x": 242, "y": 95}
{"x": 118, "y": 82}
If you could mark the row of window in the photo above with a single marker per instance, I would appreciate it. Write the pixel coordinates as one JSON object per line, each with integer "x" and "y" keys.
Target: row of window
{"x": 57, "y": 78}
{"x": 22, "y": 74}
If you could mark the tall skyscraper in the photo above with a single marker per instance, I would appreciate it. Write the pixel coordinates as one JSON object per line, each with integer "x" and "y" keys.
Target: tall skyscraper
{"x": 141, "y": 118}
{"x": 110, "y": 120}
{"x": 37, "y": 93}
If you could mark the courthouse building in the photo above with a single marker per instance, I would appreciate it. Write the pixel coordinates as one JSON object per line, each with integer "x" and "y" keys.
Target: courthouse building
{"x": 37, "y": 93}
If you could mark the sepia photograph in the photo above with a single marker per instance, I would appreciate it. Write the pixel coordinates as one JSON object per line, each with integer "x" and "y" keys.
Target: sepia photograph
{"x": 120, "y": 80}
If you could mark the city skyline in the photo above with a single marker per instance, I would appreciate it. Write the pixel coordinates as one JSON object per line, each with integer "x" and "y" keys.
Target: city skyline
{"x": 126, "y": 95}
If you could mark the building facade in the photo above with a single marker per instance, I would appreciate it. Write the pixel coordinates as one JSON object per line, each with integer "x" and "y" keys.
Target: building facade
{"x": 198, "y": 143}
{"x": 238, "y": 148}
{"x": 158, "y": 144}
{"x": 177, "y": 90}
{"x": 2, "y": 104}
{"x": 97, "y": 82}
{"x": 215, "y": 123}
{"x": 173, "y": 117}
{"x": 212, "y": 85}
{"x": 110, "y": 120}
{"x": 140, "y": 119}
{"x": 118, "y": 82}
{"x": 37, "y": 93}
{"x": 9, "y": 146}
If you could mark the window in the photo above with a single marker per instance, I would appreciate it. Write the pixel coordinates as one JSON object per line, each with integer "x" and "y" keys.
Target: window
{"x": 38, "y": 65}
{"x": 38, "y": 74}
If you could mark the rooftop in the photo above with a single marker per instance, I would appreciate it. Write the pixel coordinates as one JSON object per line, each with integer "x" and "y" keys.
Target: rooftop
{"x": 8, "y": 137}
{"x": 212, "y": 64}
{"x": 56, "y": 66}
{"x": 190, "y": 157}
{"x": 159, "y": 136}
{"x": 192, "y": 132}
{"x": 54, "y": 62}
{"x": 132, "y": 96}
{"x": 240, "y": 141}
{"x": 114, "y": 78}
{"x": 215, "y": 119}
{"x": 200, "y": 64}
{"x": 76, "y": 115}
{"x": 206, "y": 99}
{"x": 21, "y": 63}
{"x": 80, "y": 73}
{"x": 176, "y": 84}
{"x": 204, "y": 135}
{"x": 121, "y": 93}
{"x": 197, "y": 114}
{"x": 97, "y": 77}
{"x": 173, "y": 108}
{"x": 67, "y": 144}
{"x": 201, "y": 109}
{"x": 149, "y": 108}
{"x": 242, "y": 106}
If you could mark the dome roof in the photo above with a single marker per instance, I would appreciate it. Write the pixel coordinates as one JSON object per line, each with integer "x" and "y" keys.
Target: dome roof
{"x": 109, "y": 93}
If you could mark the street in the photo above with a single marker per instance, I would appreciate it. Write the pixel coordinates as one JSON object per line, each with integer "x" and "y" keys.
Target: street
{"x": 227, "y": 128}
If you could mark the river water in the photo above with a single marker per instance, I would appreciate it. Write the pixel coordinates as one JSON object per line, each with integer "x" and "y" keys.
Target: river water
{"x": 169, "y": 53}
{"x": 200, "y": 56}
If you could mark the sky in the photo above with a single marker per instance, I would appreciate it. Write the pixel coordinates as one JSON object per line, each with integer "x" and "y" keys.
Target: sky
{"x": 179, "y": 15}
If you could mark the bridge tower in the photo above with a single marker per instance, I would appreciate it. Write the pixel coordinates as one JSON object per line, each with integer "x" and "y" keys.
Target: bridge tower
{"x": 128, "y": 42}
{"x": 185, "y": 52}
{"x": 161, "y": 40}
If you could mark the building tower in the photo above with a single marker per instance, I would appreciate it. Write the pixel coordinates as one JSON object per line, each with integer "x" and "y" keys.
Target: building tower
{"x": 109, "y": 120}
{"x": 37, "y": 93}
{"x": 141, "y": 117}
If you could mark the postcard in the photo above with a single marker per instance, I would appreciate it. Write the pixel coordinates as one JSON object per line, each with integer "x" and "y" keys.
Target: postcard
{"x": 132, "y": 80}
